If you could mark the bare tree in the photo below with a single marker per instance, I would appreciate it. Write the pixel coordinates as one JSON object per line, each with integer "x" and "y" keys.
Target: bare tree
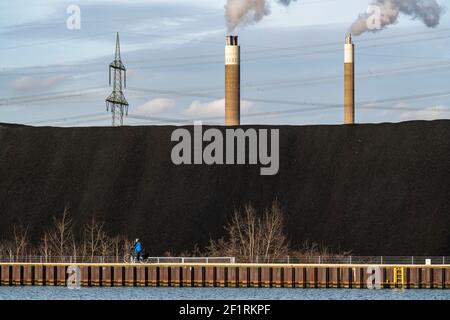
{"x": 253, "y": 237}
{"x": 60, "y": 237}
{"x": 7, "y": 249}
{"x": 194, "y": 252}
{"x": 20, "y": 240}
{"x": 106, "y": 246}
{"x": 44, "y": 247}
{"x": 93, "y": 238}
{"x": 274, "y": 241}
{"x": 96, "y": 242}
{"x": 124, "y": 246}
{"x": 59, "y": 241}
{"x": 117, "y": 247}
{"x": 313, "y": 250}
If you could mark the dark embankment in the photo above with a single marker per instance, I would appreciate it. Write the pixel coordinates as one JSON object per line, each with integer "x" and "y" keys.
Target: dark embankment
{"x": 374, "y": 189}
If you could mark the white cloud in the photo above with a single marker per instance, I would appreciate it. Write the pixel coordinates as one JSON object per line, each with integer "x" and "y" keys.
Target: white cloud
{"x": 132, "y": 72}
{"x": 214, "y": 108}
{"x": 155, "y": 106}
{"x": 430, "y": 113}
{"x": 28, "y": 83}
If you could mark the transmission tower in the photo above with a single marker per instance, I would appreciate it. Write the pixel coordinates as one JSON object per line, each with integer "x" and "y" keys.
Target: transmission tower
{"x": 116, "y": 100}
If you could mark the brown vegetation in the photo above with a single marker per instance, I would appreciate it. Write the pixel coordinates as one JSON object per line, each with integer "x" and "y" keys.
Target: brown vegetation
{"x": 251, "y": 237}
{"x": 254, "y": 237}
{"x": 60, "y": 242}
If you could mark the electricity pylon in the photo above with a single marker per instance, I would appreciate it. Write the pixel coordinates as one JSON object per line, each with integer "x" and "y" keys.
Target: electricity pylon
{"x": 116, "y": 100}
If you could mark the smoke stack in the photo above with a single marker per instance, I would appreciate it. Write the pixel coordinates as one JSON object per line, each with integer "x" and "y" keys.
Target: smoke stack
{"x": 349, "y": 81}
{"x": 232, "y": 82}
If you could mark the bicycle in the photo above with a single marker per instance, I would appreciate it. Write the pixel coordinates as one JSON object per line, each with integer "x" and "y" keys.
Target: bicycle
{"x": 131, "y": 258}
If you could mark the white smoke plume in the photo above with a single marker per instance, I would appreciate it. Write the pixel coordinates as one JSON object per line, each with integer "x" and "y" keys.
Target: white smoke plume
{"x": 245, "y": 12}
{"x": 427, "y": 11}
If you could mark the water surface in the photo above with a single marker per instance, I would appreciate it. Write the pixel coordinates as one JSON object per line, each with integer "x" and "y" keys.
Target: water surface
{"x": 126, "y": 293}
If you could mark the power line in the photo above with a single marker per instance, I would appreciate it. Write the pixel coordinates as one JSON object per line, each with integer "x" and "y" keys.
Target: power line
{"x": 55, "y": 96}
{"x": 53, "y": 41}
{"x": 98, "y": 119}
{"x": 270, "y": 57}
{"x": 64, "y": 119}
{"x": 310, "y": 107}
{"x": 438, "y": 66}
{"x": 99, "y": 21}
{"x": 160, "y": 119}
{"x": 302, "y": 47}
{"x": 410, "y": 68}
{"x": 259, "y": 52}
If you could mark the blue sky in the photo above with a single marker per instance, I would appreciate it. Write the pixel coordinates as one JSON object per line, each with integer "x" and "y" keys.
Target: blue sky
{"x": 173, "y": 49}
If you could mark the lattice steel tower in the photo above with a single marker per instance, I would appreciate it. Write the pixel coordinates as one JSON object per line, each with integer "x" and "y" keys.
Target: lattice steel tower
{"x": 116, "y": 100}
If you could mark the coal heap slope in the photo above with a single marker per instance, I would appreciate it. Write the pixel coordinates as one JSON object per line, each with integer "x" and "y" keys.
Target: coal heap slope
{"x": 375, "y": 189}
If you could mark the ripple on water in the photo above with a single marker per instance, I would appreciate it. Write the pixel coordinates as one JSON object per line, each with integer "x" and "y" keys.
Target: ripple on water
{"x": 120, "y": 293}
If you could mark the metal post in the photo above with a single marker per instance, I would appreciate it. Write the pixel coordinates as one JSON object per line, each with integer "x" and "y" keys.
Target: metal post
{"x": 288, "y": 259}
{"x": 412, "y": 259}
{"x": 381, "y": 260}
{"x": 350, "y": 259}
{"x": 319, "y": 259}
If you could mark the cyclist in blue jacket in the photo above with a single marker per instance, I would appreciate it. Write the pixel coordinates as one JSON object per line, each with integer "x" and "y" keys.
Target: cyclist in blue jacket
{"x": 138, "y": 249}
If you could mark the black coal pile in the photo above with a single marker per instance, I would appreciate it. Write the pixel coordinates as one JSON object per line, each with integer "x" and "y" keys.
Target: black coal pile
{"x": 379, "y": 189}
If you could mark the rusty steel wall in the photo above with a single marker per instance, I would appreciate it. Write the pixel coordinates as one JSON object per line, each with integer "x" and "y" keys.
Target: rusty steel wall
{"x": 263, "y": 276}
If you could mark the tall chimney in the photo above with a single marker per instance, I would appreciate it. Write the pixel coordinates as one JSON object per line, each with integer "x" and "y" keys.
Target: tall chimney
{"x": 232, "y": 82}
{"x": 349, "y": 81}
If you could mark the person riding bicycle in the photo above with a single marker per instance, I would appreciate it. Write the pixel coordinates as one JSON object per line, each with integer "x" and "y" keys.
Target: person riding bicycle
{"x": 137, "y": 249}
